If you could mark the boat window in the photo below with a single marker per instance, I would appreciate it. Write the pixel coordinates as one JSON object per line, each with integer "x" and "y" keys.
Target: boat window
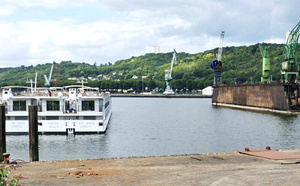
{"x": 19, "y": 105}
{"x": 89, "y": 117}
{"x": 106, "y": 104}
{"x": 21, "y": 118}
{"x": 51, "y": 117}
{"x": 100, "y": 105}
{"x": 88, "y": 105}
{"x": 41, "y": 118}
{"x": 52, "y": 105}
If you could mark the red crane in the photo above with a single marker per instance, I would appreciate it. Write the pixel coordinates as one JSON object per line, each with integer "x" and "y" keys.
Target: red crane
{"x": 56, "y": 80}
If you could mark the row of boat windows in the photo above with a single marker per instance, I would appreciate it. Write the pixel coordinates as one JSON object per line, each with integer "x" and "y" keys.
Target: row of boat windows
{"x": 51, "y": 118}
{"x": 54, "y": 106}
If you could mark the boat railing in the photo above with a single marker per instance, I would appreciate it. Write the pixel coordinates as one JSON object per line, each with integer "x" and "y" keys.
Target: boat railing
{"x": 54, "y": 94}
{"x": 18, "y": 94}
{"x": 88, "y": 93}
{"x": 41, "y": 93}
{"x": 105, "y": 94}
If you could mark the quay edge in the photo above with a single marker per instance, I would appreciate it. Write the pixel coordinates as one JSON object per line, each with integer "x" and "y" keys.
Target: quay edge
{"x": 257, "y": 109}
{"x": 162, "y": 96}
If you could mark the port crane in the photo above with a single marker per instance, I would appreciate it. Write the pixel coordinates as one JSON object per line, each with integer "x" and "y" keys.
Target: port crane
{"x": 47, "y": 81}
{"x": 289, "y": 72}
{"x": 168, "y": 76}
{"x": 265, "y": 64}
{"x": 216, "y": 64}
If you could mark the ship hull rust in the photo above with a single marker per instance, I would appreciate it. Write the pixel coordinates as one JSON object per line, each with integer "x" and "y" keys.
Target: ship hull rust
{"x": 253, "y": 96}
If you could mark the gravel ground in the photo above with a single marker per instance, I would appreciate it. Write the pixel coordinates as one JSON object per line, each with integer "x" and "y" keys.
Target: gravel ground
{"x": 199, "y": 169}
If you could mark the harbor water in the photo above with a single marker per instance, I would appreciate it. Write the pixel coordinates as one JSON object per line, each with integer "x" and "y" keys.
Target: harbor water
{"x": 167, "y": 126}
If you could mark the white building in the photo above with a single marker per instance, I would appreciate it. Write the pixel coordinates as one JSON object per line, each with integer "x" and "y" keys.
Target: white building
{"x": 135, "y": 77}
{"x": 74, "y": 79}
{"x": 208, "y": 91}
{"x": 155, "y": 49}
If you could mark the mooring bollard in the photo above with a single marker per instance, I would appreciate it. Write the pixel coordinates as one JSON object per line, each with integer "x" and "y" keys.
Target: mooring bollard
{"x": 5, "y": 157}
{"x": 2, "y": 131}
{"x": 33, "y": 133}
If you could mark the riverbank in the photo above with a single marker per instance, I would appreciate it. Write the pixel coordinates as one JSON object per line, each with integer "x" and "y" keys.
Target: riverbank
{"x": 162, "y": 96}
{"x": 199, "y": 169}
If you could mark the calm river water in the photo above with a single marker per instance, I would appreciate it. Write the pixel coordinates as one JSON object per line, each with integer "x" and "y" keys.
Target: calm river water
{"x": 167, "y": 126}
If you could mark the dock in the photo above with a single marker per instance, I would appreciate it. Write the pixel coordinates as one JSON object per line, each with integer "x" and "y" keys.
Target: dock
{"x": 196, "y": 169}
{"x": 266, "y": 97}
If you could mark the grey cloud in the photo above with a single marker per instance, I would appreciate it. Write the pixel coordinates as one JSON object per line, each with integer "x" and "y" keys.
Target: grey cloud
{"x": 189, "y": 26}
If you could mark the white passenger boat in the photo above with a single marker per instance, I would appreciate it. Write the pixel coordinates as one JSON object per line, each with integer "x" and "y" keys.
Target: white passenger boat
{"x": 65, "y": 110}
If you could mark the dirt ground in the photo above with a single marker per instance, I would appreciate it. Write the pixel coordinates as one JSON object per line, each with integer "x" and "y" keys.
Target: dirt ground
{"x": 200, "y": 169}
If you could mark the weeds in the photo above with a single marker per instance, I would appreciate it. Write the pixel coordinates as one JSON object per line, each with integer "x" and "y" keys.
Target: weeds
{"x": 5, "y": 169}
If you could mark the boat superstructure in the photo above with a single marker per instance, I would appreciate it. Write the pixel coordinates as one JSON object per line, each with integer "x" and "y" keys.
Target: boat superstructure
{"x": 69, "y": 109}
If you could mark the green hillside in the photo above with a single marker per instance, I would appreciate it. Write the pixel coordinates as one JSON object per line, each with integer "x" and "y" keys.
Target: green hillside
{"x": 240, "y": 64}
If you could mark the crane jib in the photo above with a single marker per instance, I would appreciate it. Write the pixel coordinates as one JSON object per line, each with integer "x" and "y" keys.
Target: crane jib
{"x": 292, "y": 42}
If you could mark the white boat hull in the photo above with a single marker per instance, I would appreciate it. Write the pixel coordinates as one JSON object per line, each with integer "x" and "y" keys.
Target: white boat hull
{"x": 59, "y": 126}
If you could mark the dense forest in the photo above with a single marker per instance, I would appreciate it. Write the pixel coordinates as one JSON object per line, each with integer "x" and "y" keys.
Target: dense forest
{"x": 240, "y": 64}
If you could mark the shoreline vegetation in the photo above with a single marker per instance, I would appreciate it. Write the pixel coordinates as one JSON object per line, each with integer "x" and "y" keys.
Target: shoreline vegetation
{"x": 241, "y": 64}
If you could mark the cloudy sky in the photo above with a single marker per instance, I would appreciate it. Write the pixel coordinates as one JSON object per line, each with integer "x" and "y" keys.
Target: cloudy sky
{"x": 41, "y": 31}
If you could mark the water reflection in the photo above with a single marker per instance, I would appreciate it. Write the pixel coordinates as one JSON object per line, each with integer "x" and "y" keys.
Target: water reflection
{"x": 73, "y": 147}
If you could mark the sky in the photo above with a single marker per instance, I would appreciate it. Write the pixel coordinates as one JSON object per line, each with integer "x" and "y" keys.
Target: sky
{"x": 100, "y": 31}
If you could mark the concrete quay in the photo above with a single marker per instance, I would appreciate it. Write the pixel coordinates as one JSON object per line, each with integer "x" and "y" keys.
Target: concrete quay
{"x": 198, "y": 169}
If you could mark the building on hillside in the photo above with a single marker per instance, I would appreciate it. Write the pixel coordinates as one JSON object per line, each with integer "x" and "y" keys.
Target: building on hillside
{"x": 208, "y": 91}
{"x": 106, "y": 77}
{"x": 155, "y": 49}
{"x": 73, "y": 78}
{"x": 135, "y": 77}
{"x": 92, "y": 78}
